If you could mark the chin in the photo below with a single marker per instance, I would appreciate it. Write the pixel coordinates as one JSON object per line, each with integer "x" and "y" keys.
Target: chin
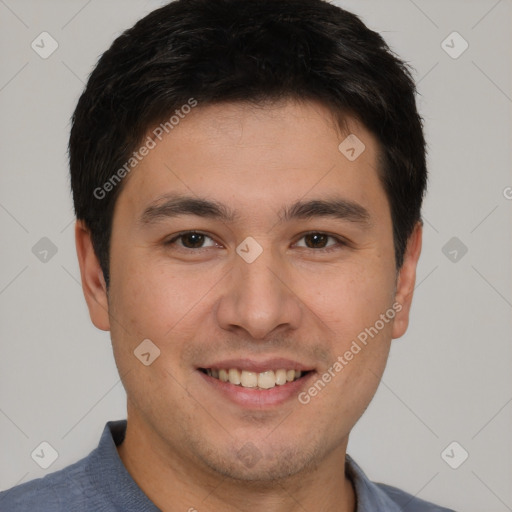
{"x": 262, "y": 467}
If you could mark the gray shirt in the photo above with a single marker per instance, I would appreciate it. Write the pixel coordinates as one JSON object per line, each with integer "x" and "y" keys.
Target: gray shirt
{"x": 101, "y": 483}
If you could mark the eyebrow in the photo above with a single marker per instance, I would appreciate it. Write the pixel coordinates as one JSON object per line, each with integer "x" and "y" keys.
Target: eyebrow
{"x": 171, "y": 206}
{"x": 338, "y": 208}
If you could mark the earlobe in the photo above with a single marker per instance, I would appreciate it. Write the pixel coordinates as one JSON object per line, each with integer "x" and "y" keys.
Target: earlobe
{"x": 407, "y": 281}
{"x": 93, "y": 281}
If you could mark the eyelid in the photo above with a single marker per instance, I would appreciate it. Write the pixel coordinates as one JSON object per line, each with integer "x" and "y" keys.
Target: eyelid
{"x": 340, "y": 241}
{"x": 174, "y": 238}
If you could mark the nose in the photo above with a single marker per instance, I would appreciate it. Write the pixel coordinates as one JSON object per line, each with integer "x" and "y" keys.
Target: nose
{"x": 259, "y": 298}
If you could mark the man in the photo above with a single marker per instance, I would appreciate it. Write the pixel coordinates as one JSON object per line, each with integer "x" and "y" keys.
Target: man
{"x": 248, "y": 179}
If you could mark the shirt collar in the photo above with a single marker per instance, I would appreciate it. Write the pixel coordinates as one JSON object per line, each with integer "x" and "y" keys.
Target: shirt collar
{"x": 110, "y": 477}
{"x": 369, "y": 496}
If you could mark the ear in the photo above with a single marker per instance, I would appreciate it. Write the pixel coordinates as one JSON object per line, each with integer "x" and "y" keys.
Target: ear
{"x": 407, "y": 280}
{"x": 93, "y": 281}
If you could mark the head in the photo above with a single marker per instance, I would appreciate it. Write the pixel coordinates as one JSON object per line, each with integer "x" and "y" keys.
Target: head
{"x": 285, "y": 137}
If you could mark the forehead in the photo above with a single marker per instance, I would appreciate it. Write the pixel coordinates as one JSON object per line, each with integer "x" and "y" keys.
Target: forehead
{"x": 270, "y": 155}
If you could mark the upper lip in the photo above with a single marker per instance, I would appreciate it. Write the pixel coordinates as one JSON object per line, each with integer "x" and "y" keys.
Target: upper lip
{"x": 253, "y": 365}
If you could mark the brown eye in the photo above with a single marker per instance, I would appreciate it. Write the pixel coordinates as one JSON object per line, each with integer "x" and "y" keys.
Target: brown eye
{"x": 192, "y": 240}
{"x": 321, "y": 242}
{"x": 316, "y": 240}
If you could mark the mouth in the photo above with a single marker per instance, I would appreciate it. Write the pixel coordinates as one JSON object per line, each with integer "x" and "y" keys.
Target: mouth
{"x": 256, "y": 384}
{"x": 248, "y": 379}
{"x": 256, "y": 388}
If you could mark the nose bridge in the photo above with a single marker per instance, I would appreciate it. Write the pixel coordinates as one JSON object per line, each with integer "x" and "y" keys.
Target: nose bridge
{"x": 258, "y": 299}
{"x": 258, "y": 280}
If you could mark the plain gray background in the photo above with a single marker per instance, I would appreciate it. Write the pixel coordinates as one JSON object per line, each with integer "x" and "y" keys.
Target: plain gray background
{"x": 449, "y": 379}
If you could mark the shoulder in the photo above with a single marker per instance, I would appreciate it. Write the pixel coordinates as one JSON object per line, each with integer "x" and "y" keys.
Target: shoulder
{"x": 406, "y": 501}
{"x": 98, "y": 482}
{"x": 60, "y": 491}
{"x": 76, "y": 487}
{"x": 378, "y": 497}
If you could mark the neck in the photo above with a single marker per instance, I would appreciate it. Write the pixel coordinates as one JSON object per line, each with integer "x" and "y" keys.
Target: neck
{"x": 173, "y": 482}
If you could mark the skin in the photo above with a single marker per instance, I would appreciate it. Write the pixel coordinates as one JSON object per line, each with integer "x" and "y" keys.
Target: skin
{"x": 208, "y": 304}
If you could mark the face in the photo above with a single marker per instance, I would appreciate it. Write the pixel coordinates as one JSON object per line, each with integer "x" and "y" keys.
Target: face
{"x": 248, "y": 247}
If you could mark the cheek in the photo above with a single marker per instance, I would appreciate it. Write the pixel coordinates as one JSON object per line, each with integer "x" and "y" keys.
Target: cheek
{"x": 363, "y": 333}
{"x": 349, "y": 297}
{"x": 153, "y": 299}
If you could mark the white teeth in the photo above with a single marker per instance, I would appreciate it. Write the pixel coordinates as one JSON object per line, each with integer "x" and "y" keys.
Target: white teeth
{"x": 248, "y": 379}
{"x": 280, "y": 377}
{"x": 267, "y": 380}
{"x": 234, "y": 376}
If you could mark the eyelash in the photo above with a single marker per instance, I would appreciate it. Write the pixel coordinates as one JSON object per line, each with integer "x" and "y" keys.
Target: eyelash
{"x": 339, "y": 241}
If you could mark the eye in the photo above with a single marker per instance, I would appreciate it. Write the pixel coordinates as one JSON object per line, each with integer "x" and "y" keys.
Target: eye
{"x": 318, "y": 240}
{"x": 192, "y": 240}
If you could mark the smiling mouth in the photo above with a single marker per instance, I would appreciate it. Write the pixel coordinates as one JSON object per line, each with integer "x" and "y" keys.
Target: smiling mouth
{"x": 254, "y": 380}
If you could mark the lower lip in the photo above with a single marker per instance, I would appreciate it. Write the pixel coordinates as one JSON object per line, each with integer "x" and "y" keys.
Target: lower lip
{"x": 258, "y": 398}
